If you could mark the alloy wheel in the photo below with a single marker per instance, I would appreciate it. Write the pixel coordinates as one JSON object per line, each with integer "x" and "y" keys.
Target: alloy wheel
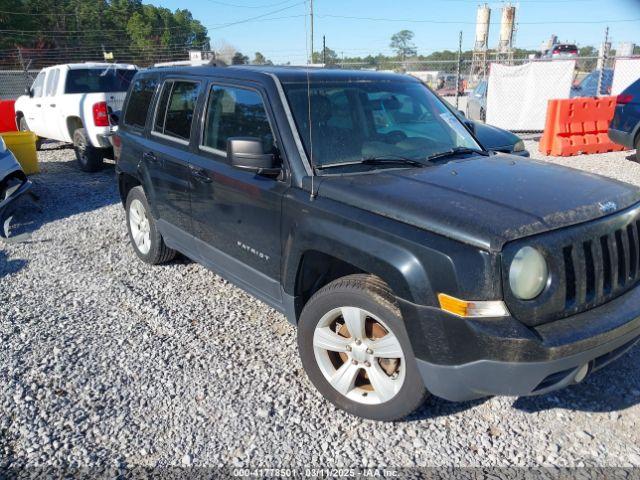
{"x": 140, "y": 227}
{"x": 359, "y": 355}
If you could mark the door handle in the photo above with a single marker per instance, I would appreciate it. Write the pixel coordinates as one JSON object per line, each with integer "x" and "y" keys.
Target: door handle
{"x": 151, "y": 158}
{"x": 200, "y": 174}
{"x": 53, "y": 105}
{"x": 38, "y": 105}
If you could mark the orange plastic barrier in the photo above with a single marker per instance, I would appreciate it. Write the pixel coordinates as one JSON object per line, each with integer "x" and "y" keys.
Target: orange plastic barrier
{"x": 578, "y": 125}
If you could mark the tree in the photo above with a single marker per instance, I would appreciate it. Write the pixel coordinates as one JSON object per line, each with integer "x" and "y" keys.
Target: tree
{"x": 260, "y": 59}
{"x": 330, "y": 57}
{"x": 239, "y": 59}
{"x": 402, "y": 43}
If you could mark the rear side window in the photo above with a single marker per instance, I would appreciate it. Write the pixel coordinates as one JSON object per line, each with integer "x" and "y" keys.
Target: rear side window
{"x": 139, "y": 101}
{"x": 52, "y": 82}
{"x": 235, "y": 112}
{"x": 177, "y": 104}
{"x": 97, "y": 80}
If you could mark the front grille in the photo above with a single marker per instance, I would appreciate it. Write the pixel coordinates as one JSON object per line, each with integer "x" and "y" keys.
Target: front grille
{"x": 601, "y": 268}
{"x": 590, "y": 264}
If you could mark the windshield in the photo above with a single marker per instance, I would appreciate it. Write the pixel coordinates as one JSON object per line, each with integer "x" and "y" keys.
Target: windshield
{"x": 351, "y": 121}
{"x": 97, "y": 80}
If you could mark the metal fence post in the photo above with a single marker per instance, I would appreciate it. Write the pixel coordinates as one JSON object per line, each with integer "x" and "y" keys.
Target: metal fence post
{"x": 603, "y": 63}
{"x": 458, "y": 69}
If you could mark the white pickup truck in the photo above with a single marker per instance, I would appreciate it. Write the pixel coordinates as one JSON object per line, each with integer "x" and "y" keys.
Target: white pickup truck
{"x": 72, "y": 103}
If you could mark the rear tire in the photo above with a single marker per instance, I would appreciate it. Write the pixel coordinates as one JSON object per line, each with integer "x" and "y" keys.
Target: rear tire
{"x": 90, "y": 158}
{"x": 25, "y": 128}
{"x": 637, "y": 145}
{"x": 143, "y": 231}
{"x": 355, "y": 372}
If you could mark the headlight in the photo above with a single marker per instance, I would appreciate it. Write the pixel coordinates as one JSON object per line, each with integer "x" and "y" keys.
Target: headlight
{"x": 519, "y": 146}
{"x": 528, "y": 274}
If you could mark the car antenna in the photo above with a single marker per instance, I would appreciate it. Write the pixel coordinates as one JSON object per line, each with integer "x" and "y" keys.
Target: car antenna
{"x": 314, "y": 194}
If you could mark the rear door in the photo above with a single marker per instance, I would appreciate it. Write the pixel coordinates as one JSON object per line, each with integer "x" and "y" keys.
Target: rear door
{"x": 167, "y": 158}
{"x": 237, "y": 213}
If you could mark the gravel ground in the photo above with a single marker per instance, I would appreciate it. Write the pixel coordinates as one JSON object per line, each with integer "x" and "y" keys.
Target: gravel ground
{"x": 112, "y": 363}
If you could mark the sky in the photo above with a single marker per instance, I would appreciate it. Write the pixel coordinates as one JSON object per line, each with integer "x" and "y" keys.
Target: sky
{"x": 280, "y": 29}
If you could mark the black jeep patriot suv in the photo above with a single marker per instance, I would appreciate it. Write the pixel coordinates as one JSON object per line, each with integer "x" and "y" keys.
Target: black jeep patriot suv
{"x": 359, "y": 205}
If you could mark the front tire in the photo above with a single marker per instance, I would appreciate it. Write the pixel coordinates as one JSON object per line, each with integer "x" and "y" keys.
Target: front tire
{"x": 143, "y": 231}
{"x": 89, "y": 158}
{"x": 25, "y": 128}
{"x": 356, "y": 351}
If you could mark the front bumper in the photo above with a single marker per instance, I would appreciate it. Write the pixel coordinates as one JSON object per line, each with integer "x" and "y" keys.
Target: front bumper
{"x": 621, "y": 138}
{"x": 463, "y": 359}
{"x": 13, "y": 185}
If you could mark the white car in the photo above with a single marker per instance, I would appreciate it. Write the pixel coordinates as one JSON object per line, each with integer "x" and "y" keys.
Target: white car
{"x": 72, "y": 103}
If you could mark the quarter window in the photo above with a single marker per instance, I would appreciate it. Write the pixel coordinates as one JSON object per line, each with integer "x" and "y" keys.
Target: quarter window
{"x": 235, "y": 112}
{"x": 139, "y": 101}
{"x": 176, "y": 107}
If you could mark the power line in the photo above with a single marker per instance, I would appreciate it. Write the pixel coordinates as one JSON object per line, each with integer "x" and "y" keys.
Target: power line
{"x": 457, "y": 22}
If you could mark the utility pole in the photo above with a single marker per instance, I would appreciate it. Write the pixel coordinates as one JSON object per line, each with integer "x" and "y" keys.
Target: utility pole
{"x": 458, "y": 69}
{"x": 324, "y": 50}
{"x": 311, "y": 14}
{"x": 603, "y": 60}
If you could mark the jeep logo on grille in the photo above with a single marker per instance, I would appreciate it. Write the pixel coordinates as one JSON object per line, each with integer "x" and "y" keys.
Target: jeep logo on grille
{"x": 608, "y": 207}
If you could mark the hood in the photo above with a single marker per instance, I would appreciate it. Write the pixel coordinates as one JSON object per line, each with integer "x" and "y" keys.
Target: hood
{"x": 484, "y": 201}
{"x": 493, "y": 137}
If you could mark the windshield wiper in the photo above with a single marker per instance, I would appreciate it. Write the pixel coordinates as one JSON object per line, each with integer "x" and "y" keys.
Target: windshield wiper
{"x": 380, "y": 160}
{"x": 457, "y": 151}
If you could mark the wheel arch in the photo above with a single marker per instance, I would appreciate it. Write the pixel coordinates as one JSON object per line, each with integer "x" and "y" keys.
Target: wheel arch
{"x": 73, "y": 123}
{"x": 18, "y": 117}
{"x": 125, "y": 183}
{"x": 308, "y": 266}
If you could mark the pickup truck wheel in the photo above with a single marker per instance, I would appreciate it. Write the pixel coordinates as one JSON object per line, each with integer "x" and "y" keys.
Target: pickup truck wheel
{"x": 25, "y": 128}
{"x": 637, "y": 145}
{"x": 356, "y": 351}
{"x": 89, "y": 158}
{"x": 143, "y": 232}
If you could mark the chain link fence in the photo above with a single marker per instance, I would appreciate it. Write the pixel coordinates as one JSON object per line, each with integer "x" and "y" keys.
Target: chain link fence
{"x": 14, "y": 83}
{"x": 464, "y": 82}
{"x": 468, "y": 90}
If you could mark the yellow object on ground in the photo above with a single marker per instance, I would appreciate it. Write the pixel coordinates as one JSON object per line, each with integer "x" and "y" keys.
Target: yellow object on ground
{"x": 23, "y": 146}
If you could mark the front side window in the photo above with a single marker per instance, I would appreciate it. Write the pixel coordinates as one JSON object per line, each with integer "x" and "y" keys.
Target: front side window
{"x": 347, "y": 122}
{"x": 235, "y": 112}
{"x": 174, "y": 114}
{"x": 139, "y": 101}
{"x": 38, "y": 85}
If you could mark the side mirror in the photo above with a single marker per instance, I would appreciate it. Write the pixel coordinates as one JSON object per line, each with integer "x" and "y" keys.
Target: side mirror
{"x": 471, "y": 126}
{"x": 462, "y": 114}
{"x": 246, "y": 153}
{"x": 29, "y": 91}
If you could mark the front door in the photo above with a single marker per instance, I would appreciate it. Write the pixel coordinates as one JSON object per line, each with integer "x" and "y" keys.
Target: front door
{"x": 237, "y": 213}
{"x": 53, "y": 120}
{"x": 167, "y": 158}
{"x": 33, "y": 108}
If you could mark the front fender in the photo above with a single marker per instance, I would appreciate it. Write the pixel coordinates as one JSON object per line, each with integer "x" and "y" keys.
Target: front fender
{"x": 398, "y": 266}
